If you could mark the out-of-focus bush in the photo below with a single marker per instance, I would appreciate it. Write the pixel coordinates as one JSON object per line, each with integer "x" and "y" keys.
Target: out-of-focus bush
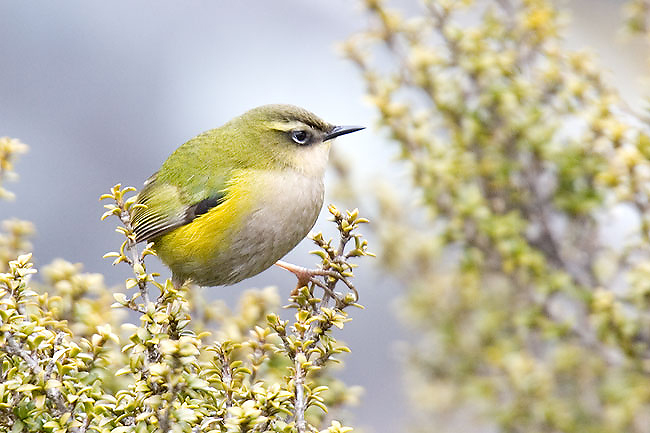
{"x": 527, "y": 257}
{"x": 637, "y": 17}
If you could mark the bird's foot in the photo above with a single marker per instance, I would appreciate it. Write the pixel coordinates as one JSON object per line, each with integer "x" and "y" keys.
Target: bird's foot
{"x": 304, "y": 275}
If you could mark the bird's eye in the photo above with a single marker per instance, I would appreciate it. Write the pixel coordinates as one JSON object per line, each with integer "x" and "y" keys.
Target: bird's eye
{"x": 300, "y": 136}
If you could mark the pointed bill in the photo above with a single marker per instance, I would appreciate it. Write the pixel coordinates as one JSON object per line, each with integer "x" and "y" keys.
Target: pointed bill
{"x": 342, "y": 130}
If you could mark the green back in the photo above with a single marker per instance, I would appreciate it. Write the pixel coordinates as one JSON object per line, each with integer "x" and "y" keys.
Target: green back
{"x": 201, "y": 168}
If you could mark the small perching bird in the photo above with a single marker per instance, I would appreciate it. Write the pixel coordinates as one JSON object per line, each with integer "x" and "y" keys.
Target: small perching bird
{"x": 232, "y": 201}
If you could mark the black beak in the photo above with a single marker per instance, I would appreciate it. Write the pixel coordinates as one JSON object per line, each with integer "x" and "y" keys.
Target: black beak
{"x": 342, "y": 130}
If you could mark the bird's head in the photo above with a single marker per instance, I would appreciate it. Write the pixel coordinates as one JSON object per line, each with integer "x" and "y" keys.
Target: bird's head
{"x": 287, "y": 136}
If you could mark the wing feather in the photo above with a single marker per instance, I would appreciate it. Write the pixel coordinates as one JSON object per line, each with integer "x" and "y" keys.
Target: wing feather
{"x": 189, "y": 184}
{"x": 163, "y": 210}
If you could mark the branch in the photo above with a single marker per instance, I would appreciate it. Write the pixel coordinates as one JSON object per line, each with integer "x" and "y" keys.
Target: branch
{"x": 129, "y": 251}
{"x": 53, "y": 393}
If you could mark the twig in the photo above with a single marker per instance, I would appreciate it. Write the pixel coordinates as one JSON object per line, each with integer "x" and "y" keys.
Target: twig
{"x": 136, "y": 257}
{"x": 301, "y": 403}
{"x": 53, "y": 393}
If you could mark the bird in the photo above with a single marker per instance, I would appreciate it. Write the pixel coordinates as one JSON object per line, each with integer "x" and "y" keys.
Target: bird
{"x": 232, "y": 201}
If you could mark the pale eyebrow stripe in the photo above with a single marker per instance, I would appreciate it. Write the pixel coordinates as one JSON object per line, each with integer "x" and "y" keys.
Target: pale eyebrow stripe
{"x": 286, "y": 126}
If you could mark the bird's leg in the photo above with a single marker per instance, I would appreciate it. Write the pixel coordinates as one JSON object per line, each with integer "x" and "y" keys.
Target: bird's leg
{"x": 177, "y": 281}
{"x": 304, "y": 275}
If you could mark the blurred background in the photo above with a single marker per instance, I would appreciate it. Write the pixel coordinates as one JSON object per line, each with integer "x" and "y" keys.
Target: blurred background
{"x": 103, "y": 92}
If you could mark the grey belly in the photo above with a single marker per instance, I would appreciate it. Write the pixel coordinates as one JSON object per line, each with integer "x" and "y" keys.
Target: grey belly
{"x": 273, "y": 229}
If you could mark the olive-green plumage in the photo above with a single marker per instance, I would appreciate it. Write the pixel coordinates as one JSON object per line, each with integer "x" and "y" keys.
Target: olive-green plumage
{"x": 233, "y": 200}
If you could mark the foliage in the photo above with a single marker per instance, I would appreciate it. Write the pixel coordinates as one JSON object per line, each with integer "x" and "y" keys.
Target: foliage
{"x": 530, "y": 297}
{"x": 15, "y": 234}
{"x": 10, "y": 150}
{"x": 69, "y": 362}
{"x": 637, "y": 16}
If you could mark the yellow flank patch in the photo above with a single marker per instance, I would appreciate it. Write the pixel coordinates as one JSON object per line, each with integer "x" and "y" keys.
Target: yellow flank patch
{"x": 211, "y": 233}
